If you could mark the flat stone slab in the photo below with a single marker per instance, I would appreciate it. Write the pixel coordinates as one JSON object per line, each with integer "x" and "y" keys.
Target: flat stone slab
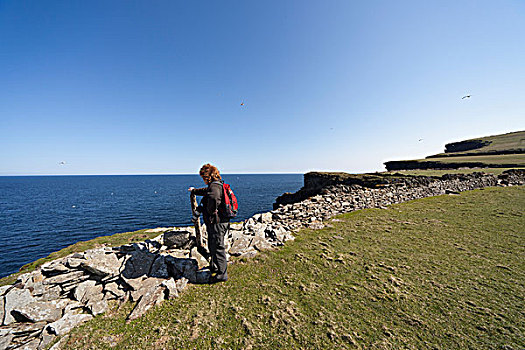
{"x": 152, "y": 296}
{"x": 178, "y": 239}
{"x": 67, "y": 323}
{"x": 101, "y": 262}
{"x": 15, "y": 299}
{"x": 88, "y": 290}
{"x": 39, "y": 311}
{"x": 71, "y": 277}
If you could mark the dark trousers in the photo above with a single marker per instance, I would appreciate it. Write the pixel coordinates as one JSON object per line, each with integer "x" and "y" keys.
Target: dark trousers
{"x": 216, "y": 234}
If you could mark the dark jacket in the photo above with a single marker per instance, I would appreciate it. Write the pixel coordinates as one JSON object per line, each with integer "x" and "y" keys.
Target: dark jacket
{"x": 212, "y": 197}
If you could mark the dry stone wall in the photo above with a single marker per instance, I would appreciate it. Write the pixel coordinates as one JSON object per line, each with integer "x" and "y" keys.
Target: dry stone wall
{"x": 48, "y": 302}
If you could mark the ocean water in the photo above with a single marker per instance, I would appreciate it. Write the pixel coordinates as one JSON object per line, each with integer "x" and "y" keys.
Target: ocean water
{"x": 43, "y": 214}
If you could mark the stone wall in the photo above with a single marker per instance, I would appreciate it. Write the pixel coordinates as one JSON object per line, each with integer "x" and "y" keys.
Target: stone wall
{"x": 50, "y": 301}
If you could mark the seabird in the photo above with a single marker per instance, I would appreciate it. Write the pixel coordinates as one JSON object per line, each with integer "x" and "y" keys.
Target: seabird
{"x": 62, "y": 163}
{"x": 466, "y": 96}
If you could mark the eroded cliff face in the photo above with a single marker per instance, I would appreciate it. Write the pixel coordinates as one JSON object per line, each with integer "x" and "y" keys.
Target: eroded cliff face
{"x": 463, "y": 146}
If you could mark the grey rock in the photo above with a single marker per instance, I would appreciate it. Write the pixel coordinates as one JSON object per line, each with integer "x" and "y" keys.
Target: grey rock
{"x": 178, "y": 239}
{"x": 2, "y": 312}
{"x": 66, "y": 278}
{"x": 138, "y": 263}
{"x": 178, "y": 268}
{"x": 5, "y": 338}
{"x": 97, "y": 307}
{"x": 159, "y": 268}
{"x": 5, "y": 289}
{"x": 112, "y": 291}
{"x": 201, "y": 261}
{"x": 260, "y": 243}
{"x": 265, "y": 217}
{"x": 45, "y": 339}
{"x": 88, "y": 290}
{"x": 240, "y": 245}
{"x": 54, "y": 267}
{"x": 73, "y": 307}
{"x": 15, "y": 299}
{"x": 101, "y": 262}
{"x": 30, "y": 345}
{"x": 39, "y": 311}
{"x": 203, "y": 276}
{"x": 171, "y": 289}
{"x": 74, "y": 263}
{"x": 150, "y": 297}
{"x": 46, "y": 292}
{"x": 67, "y": 323}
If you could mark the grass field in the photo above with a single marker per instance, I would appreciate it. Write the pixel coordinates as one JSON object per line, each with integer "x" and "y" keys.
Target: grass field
{"x": 503, "y": 142}
{"x": 438, "y": 172}
{"x": 443, "y": 272}
{"x": 517, "y": 159}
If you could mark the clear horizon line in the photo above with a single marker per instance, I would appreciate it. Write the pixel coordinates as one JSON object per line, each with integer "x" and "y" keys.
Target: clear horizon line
{"x": 147, "y": 174}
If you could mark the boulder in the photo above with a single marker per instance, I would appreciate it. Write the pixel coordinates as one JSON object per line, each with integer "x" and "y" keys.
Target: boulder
{"x": 174, "y": 287}
{"x": 265, "y": 217}
{"x": 46, "y": 338}
{"x": 178, "y": 239}
{"x": 54, "y": 267}
{"x": 201, "y": 260}
{"x": 67, "y": 323}
{"x": 15, "y": 299}
{"x": 151, "y": 296}
{"x": 138, "y": 263}
{"x": 97, "y": 307}
{"x": 39, "y": 311}
{"x": 260, "y": 243}
{"x": 112, "y": 291}
{"x": 159, "y": 268}
{"x": 178, "y": 268}
{"x": 66, "y": 278}
{"x": 241, "y": 245}
{"x": 88, "y": 290}
{"x": 101, "y": 262}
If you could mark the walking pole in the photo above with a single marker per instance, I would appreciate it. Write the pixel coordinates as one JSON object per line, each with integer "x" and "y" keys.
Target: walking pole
{"x": 198, "y": 229}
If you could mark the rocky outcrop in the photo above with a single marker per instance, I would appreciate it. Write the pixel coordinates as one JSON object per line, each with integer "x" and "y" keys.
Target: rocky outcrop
{"x": 463, "y": 146}
{"x": 64, "y": 293}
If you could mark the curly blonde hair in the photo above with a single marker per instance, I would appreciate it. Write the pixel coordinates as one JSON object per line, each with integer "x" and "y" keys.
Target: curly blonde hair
{"x": 210, "y": 173}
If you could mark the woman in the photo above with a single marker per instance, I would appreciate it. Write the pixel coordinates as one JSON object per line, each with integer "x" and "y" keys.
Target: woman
{"x": 217, "y": 225}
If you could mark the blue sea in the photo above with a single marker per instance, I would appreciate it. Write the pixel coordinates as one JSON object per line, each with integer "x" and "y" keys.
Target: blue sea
{"x": 43, "y": 214}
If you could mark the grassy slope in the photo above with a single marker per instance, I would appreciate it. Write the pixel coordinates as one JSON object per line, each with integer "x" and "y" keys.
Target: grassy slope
{"x": 515, "y": 159}
{"x": 513, "y": 140}
{"x": 444, "y": 272}
{"x": 505, "y": 142}
{"x": 112, "y": 241}
{"x": 438, "y": 172}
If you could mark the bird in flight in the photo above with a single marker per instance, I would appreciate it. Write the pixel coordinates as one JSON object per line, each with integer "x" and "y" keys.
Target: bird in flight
{"x": 242, "y": 103}
{"x": 420, "y": 140}
{"x": 466, "y": 96}
{"x": 62, "y": 163}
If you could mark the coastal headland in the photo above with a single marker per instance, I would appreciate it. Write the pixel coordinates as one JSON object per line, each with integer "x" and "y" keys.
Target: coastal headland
{"x": 43, "y": 305}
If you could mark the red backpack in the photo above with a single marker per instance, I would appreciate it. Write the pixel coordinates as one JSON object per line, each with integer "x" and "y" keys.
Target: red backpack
{"x": 230, "y": 202}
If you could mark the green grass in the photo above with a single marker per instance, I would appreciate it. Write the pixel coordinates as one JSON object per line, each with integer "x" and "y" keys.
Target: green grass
{"x": 517, "y": 159}
{"x": 503, "y": 142}
{"x": 111, "y": 241}
{"x": 443, "y": 272}
{"x": 438, "y": 172}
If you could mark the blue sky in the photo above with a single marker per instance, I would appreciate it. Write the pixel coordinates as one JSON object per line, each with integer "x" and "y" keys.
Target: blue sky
{"x": 147, "y": 87}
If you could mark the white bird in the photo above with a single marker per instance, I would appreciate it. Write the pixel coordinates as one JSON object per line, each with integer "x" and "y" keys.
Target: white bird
{"x": 62, "y": 163}
{"x": 466, "y": 96}
{"x": 420, "y": 140}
